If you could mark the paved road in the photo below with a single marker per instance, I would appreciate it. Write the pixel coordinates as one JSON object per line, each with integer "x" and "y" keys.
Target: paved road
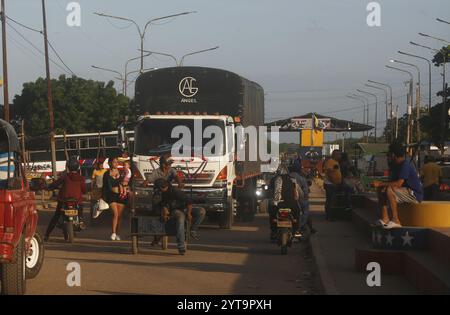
{"x": 237, "y": 261}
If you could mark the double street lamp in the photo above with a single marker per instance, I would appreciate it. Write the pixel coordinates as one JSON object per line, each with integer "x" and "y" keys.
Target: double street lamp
{"x": 418, "y": 96}
{"x": 143, "y": 30}
{"x": 180, "y": 63}
{"x": 444, "y": 54}
{"x": 410, "y": 99}
{"x": 376, "y": 108}
{"x": 386, "y": 101}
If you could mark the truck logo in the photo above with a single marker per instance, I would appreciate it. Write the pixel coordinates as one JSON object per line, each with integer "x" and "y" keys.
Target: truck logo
{"x": 187, "y": 88}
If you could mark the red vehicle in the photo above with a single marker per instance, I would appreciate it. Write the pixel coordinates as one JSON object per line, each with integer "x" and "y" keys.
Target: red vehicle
{"x": 21, "y": 247}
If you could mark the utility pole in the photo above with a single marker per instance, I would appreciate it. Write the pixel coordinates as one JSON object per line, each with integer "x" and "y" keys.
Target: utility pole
{"x": 5, "y": 66}
{"x": 22, "y": 138}
{"x": 444, "y": 102}
{"x": 49, "y": 94}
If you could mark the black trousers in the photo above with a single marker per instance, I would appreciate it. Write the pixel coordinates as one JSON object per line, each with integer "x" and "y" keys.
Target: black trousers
{"x": 57, "y": 215}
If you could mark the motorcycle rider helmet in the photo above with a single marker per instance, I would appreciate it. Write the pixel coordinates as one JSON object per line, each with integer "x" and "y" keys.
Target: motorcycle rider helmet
{"x": 73, "y": 165}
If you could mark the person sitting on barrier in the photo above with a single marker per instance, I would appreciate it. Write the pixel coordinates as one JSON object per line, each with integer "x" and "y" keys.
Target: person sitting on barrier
{"x": 172, "y": 205}
{"x": 431, "y": 175}
{"x": 404, "y": 187}
{"x": 168, "y": 173}
{"x": 334, "y": 183}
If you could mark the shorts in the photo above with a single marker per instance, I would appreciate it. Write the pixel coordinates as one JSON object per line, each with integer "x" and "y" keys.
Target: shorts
{"x": 115, "y": 198}
{"x": 404, "y": 195}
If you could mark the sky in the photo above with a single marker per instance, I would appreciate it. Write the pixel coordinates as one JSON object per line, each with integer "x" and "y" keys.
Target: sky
{"x": 306, "y": 54}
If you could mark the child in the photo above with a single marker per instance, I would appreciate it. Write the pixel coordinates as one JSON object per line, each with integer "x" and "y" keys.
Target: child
{"x": 125, "y": 179}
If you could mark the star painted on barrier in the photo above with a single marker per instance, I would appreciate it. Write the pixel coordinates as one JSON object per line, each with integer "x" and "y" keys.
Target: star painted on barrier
{"x": 407, "y": 239}
{"x": 389, "y": 239}
{"x": 379, "y": 237}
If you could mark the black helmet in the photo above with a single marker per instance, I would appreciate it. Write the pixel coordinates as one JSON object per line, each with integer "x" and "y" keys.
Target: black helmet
{"x": 73, "y": 165}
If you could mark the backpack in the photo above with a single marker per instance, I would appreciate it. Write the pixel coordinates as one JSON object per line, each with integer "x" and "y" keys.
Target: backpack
{"x": 289, "y": 191}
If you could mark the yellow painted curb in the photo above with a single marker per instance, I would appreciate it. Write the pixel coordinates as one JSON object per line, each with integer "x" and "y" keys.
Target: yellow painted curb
{"x": 425, "y": 214}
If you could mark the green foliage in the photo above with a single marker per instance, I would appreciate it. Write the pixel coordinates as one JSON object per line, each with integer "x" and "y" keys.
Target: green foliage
{"x": 79, "y": 106}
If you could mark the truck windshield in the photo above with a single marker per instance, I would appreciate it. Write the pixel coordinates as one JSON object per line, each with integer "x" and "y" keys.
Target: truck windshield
{"x": 154, "y": 136}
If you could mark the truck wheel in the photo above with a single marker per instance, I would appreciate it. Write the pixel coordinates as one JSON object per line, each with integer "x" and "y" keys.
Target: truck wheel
{"x": 68, "y": 231}
{"x": 227, "y": 217}
{"x": 35, "y": 257}
{"x": 284, "y": 243}
{"x": 13, "y": 274}
{"x": 164, "y": 242}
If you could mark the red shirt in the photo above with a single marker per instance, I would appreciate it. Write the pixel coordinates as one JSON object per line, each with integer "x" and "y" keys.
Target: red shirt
{"x": 73, "y": 186}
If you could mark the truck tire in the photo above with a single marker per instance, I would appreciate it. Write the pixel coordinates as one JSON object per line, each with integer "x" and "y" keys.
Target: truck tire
{"x": 35, "y": 257}
{"x": 284, "y": 242}
{"x": 227, "y": 217}
{"x": 13, "y": 274}
{"x": 68, "y": 231}
{"x": 134, "y": 244}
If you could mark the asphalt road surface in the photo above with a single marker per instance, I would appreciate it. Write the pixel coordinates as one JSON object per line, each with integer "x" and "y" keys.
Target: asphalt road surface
{"x": 237, "y": 261}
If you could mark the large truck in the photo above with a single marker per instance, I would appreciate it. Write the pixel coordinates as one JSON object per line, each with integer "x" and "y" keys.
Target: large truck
{"x": 196, "y": 99}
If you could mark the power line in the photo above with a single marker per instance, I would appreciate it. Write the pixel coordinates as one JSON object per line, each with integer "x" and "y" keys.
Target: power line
{"x": 36, "y": 48}
{"x": 59, "y": 57}
{"x": 24, "y": 26}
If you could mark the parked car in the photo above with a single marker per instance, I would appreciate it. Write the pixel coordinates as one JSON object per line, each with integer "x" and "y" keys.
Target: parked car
{"x": 21, "y": 247}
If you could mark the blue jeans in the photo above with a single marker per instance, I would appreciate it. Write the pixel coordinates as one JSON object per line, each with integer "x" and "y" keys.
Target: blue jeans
{"x": 198, "y": 215}
{"x": 180, "y": 220}
{"x": 304, "y": 206}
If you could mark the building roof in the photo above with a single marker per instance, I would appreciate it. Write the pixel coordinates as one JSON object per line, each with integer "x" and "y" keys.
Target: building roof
{"x": 329, "y": 124}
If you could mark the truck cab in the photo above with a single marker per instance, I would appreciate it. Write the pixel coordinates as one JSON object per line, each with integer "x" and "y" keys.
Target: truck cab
{"x": 21, "y": 247}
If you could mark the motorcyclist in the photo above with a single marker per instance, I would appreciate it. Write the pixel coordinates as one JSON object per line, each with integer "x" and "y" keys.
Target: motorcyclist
{"x": 71, "y": 185}
{"x": 285, "y": 195}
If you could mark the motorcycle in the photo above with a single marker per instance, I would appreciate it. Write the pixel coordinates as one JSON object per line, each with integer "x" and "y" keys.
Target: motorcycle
{"x": 70, "y": 221}
{"x": 285, "y": 221}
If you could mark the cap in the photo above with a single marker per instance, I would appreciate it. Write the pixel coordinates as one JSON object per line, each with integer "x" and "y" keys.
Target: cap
{"x": 165, "y": 160}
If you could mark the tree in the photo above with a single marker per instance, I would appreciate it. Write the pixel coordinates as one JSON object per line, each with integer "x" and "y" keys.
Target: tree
{"x": 79, "y": 106}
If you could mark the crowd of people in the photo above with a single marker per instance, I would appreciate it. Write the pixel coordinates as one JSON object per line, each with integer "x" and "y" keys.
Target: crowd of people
{"x": 111, "y": 185}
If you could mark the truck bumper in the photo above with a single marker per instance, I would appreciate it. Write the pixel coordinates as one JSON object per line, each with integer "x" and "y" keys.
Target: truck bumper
{"x": 211, "y": 199}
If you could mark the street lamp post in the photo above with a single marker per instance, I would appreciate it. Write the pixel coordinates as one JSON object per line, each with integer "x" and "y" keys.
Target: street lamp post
{"x": 364, "y": 105}
{"x": 410, "y": 99}
{"x": 443, "y": 21}
{"x": 180, "y": 63}
{"x": 143, "y": 31}
{"x": 418, "y": 97}
{"x": 444, "y": 112}
{"x": 113, "y": 71}
{"x": 126, "y": 72}
{"x": 366, "y": 112}
{"x": 376, "y": 107}
{"x": 429, "y": 75}
{"x": 386, "y": 100}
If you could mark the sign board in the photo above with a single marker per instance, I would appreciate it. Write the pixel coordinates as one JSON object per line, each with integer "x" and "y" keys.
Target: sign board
{"x": 306, "y": 123}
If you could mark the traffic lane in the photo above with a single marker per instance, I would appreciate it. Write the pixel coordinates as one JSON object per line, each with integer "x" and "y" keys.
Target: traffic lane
{"x": 237, "y": 261}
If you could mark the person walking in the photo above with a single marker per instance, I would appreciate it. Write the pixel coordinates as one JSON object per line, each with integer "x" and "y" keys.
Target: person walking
{"x": 111, "y": 194}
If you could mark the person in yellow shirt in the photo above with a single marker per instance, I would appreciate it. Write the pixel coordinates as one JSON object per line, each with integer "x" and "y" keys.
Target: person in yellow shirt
{"x": 333, "y": 178}
{"x": 431, "y": 175}
{"x": 97, "y": 182}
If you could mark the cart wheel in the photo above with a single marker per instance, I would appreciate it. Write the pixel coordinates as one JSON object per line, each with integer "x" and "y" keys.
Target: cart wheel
{"x": 164, "y": 242}
{"x": 134, "y": 244}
